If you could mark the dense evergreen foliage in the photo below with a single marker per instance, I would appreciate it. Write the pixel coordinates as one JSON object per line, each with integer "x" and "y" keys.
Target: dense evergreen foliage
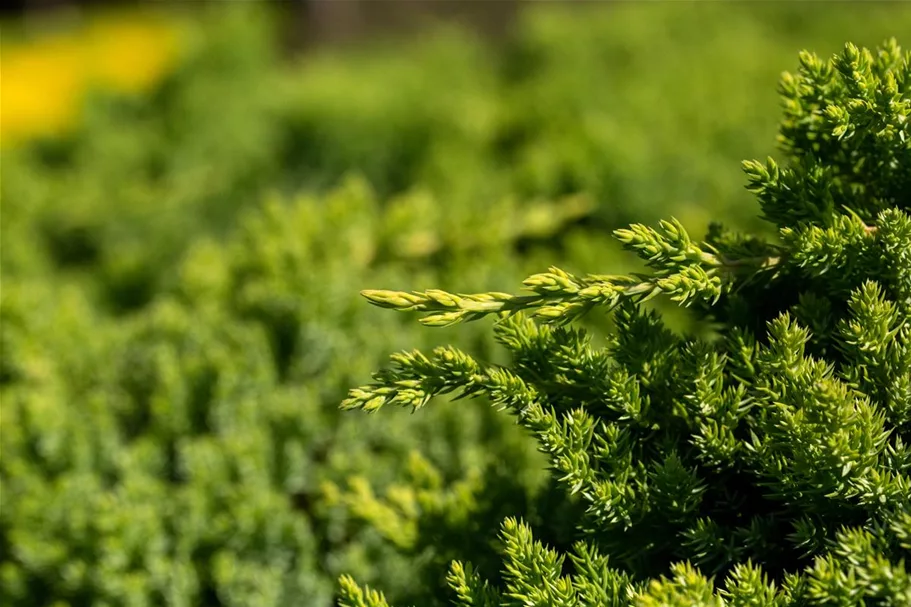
{"x": 179, "y": 314}
{"x": 768, "y": 463}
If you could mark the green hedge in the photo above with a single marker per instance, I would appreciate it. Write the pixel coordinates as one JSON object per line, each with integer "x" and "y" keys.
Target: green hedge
{"x": 180, "y": 316}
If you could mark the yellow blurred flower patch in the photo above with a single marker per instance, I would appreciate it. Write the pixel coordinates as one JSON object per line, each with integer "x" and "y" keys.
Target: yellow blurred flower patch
{"x": 44, "y": 79}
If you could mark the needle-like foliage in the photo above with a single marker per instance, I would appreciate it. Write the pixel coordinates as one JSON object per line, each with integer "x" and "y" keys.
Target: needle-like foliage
{"x": 765, "y": 464}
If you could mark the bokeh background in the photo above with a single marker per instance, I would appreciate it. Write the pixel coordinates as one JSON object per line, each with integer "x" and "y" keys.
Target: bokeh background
{"x": 192, "y": 196}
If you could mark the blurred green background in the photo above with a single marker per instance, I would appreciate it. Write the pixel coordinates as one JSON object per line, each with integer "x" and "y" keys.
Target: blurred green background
{"x": 192, "y": 196}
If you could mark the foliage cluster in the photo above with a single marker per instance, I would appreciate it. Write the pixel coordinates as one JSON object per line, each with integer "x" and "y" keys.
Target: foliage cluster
{"x": 768, "y": 464}
{"x": 179, "y": 314}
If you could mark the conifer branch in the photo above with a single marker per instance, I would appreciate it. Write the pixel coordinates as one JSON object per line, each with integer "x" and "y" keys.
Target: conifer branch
{"x": 683, "y": 270}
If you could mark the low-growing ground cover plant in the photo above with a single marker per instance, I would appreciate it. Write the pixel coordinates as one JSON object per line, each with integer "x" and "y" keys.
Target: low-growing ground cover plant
{"x": 179, "y": 311}
{"x": 767, "y": 463}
